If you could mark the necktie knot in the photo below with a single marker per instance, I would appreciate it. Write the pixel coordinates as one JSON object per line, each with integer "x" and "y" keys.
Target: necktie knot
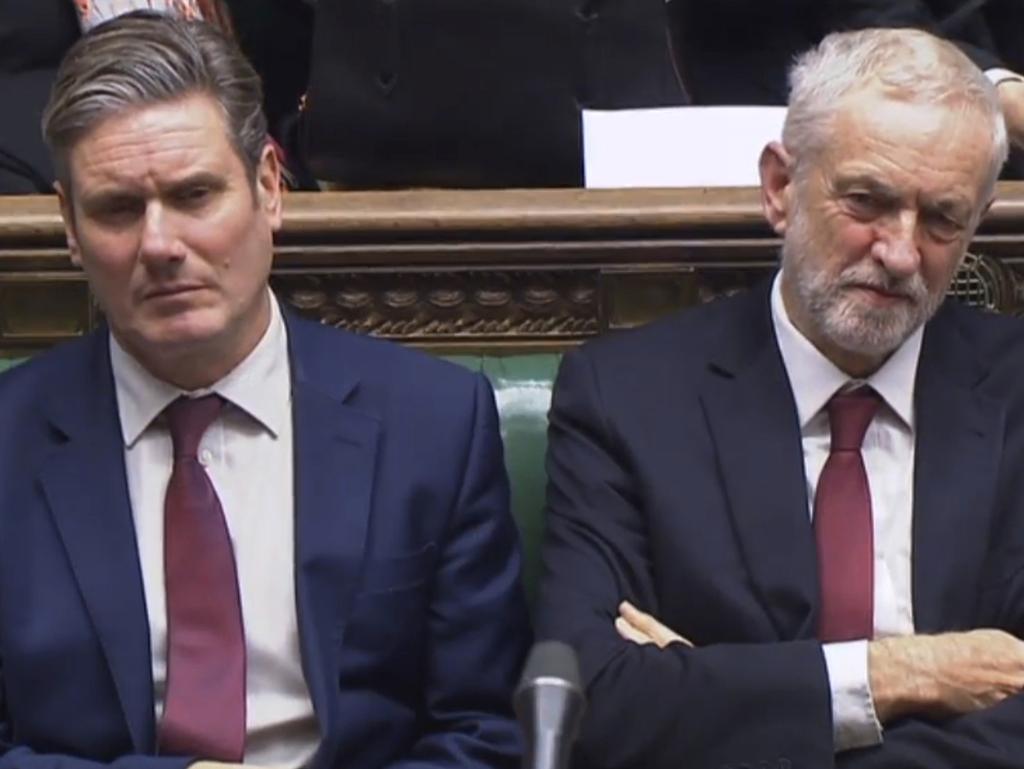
{"x": 849, "y": 414}
{"x": 188, "y": 420}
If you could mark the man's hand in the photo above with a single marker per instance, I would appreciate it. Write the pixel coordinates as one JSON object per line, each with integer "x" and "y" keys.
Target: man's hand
{"x": 944, "y": 675}
{"x": 641, "y": 628}
{"x": 1011, "y": 99}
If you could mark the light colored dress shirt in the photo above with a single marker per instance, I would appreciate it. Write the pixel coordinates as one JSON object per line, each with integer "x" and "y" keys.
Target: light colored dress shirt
{"x": 247, "y": 453}
{"x": 888, "y": 452}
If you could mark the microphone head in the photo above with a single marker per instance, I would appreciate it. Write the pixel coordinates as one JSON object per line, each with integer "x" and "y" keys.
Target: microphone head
{"x": 551, "y": 661}
{"x": 549, "y": 703}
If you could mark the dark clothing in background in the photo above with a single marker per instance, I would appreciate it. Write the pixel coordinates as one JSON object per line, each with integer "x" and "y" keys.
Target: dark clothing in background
{"x": 991, "y": 34}
{"x": 276, "y": 36}
{"x": 459, "y": 93}
{"x": 34, "y": 34}
{"x": 739, "y": 51}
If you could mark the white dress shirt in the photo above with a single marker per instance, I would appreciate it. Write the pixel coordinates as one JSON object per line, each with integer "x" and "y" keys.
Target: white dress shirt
{"x": 247, "y": 453}
{"x": 888, "y": 452}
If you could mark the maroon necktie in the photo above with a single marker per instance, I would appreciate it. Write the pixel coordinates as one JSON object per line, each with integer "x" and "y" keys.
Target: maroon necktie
{"x": 204, "y": 706}
{"x": 842, "y": 523}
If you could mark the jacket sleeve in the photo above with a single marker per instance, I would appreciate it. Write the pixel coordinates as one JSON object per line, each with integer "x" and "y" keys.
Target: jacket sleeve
{"x": 993, "y": 739}
{"x": 479, "y": 628}
{"x": 15, "y": 756}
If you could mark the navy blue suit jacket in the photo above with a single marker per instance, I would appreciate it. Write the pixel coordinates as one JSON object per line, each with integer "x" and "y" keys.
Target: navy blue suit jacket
{"x": 677, "y": 483}
{"x": 411, "y": 618}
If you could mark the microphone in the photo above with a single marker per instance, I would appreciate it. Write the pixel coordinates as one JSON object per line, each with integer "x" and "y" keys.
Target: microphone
{"x": 549, "y": 703}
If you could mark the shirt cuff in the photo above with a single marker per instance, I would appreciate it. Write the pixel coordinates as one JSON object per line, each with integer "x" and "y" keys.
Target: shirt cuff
{"x": 998, "y": 75}
{"x": 854, "y": 721}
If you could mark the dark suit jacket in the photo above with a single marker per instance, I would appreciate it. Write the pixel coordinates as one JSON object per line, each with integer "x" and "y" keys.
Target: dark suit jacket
{"x": 462, "y": 93}
{"x": 677, "y": 483}
{"x": 412, "y": 622}
{"x": 275, "y": 36}
{"x": 740, "y": 52}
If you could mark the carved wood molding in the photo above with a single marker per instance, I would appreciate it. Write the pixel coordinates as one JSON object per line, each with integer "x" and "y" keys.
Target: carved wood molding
{"x": 485, "y": 269}
{"x": 474, "y": 305}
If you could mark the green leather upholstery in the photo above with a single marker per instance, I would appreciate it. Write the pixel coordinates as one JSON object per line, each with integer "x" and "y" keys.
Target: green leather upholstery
{"x": 522, "y": 388}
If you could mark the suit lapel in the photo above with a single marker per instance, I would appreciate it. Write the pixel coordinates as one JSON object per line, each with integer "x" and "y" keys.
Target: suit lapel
{"x": 335, "y": 458}
{"x": 958, "y": 438}
{"x": 752, "y": 417}
{"x": 86, "y": 487}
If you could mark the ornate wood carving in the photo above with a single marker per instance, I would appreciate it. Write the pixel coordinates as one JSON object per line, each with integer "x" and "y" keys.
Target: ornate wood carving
{"x": 490, "y": 269}
{"x": 455, "y": 307}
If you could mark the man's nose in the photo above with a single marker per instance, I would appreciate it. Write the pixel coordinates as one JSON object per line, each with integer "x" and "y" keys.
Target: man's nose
{"x": 158, "y": 244}
{"x": 896, "y": 246}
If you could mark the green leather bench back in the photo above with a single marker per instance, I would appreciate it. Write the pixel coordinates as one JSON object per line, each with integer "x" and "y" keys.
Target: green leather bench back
{"x": 522, "y": 388}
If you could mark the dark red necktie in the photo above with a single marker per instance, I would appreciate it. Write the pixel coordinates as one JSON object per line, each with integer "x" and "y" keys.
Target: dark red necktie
{"x": 842, "y": 523}
{"x": 204, "y": 706}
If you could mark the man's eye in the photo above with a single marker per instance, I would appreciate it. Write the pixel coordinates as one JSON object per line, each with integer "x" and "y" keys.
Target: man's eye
{"x": 193, "y": 196}
{"x": 944, "y": 227}
{"x": 117, "y": 211}
{"x": 863, "y": 205}
{"x": 863, "y": 202}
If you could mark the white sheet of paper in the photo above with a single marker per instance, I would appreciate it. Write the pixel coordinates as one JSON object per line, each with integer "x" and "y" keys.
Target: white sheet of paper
{"x": 677, "y": 146}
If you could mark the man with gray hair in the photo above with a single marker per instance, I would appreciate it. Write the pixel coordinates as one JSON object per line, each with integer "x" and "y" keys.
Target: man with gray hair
{"x": 228, "y": 535}
{"x": 786, "y": 529}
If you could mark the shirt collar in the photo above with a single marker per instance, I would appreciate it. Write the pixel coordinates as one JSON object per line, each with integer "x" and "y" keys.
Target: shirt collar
{"x": 815, "y": 379}
{"x": 260, "y": 385}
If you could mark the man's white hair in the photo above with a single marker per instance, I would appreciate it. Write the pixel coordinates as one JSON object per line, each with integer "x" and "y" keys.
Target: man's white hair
{"x": 906, "y": 64}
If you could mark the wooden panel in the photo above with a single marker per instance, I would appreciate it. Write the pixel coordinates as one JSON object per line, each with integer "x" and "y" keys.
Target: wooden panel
{"x": 485, "y": 269}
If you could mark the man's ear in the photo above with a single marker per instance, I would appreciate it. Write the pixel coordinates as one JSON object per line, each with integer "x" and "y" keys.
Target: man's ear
{"x": 268, "y": 186}
{"x": 776, "y": 167}
{"x": 68, "y": 215}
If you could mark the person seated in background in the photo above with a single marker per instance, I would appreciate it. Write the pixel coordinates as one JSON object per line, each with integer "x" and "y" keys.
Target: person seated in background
{"x": 228, "y": 534}
{"x": 34, "y": 36}
{"x": 735, "y": 52}
{"x": 786, "y": 529}
{"x": 470, "y": 94}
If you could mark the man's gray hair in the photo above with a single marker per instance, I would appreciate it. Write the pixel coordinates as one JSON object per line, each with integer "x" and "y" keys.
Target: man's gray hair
{"x": 907, "y": 64}
{"x": 141, "y": 59}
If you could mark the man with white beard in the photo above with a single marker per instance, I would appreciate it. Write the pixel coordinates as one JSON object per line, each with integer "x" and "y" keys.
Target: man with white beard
{"x": 787, "y": 529}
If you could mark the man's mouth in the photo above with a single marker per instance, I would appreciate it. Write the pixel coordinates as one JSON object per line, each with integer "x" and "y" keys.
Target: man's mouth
{"x": 881, "y": 293}
{"x": 163, "y": 292}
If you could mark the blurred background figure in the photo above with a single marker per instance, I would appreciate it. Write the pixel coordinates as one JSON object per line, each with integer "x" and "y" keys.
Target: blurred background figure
{"x": 33, "y": 38}
{"x": 34, "y": 35}
{"x": 387, "y": 93}
{"x": 460, "y": 93}
{"x": 738, "y": 52}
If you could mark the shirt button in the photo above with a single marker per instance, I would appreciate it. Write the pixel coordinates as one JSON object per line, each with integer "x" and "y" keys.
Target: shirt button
{"x": 205, "y": 457}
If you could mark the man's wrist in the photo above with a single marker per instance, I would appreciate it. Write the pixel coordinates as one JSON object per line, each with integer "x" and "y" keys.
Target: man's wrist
{"x": 901, "y": 676}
